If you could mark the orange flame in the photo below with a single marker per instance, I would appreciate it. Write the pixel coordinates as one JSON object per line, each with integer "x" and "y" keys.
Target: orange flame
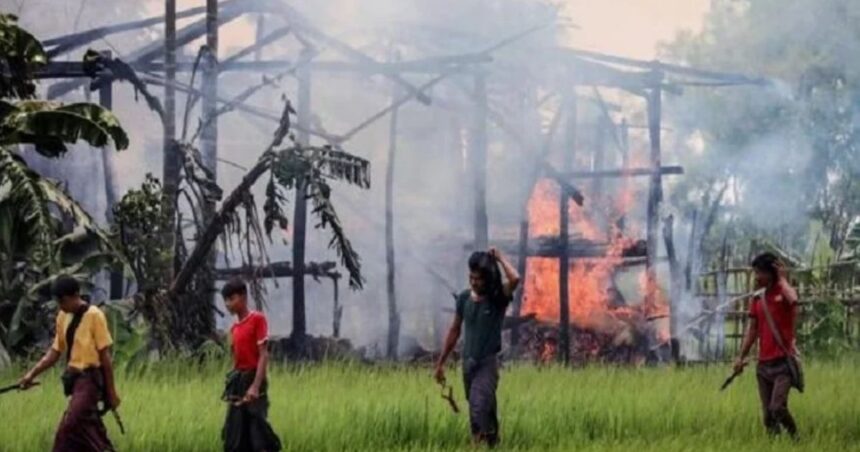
{"x": 590, "y": 280}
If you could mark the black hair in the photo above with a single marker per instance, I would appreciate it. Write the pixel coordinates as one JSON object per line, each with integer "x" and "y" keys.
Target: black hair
{"x": 65, "y": 286}
{"x": 766, "y": 262}
{"x": 234, "y": 286}
{"x": 483, "y": 263}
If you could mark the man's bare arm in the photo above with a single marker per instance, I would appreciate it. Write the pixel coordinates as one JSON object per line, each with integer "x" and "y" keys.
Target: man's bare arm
{"x": 749, "y": 340}
{"x": 450, "y": 342}
{"x": 107, "y": 367}
{"x": 512, "y": 277}
{"x": 48, "y": 360}
{"x": 260, "y": 376}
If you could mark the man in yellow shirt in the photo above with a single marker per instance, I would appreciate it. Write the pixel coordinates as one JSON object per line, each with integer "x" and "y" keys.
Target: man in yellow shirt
{"x": 82, "y": 335}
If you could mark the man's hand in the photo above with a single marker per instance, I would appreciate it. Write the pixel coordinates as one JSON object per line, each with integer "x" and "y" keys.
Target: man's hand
{"x": 439, "y": 374}
{"x": 252, "y": 395}
{"x": 26, "y": 382}
{"x": 739, "y": 365}
{"x": 494, "y": 252}
{"x": 114, "y": 400}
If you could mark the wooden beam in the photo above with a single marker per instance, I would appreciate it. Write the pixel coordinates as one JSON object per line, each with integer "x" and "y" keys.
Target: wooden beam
{"x": 298, "y": 20}
{"x": 283, "y": 269}
{"x": 229, "y": 12}
{"x": 257, "y": 46}
{"x": 67, "y": 43}
{"x": 664, "y": 67}
{"x": 622, "y": 173}
{"x": 300, "y": 211}
{"x": 171, "y": 161}
{"x": 391, "y": 268}
{"x": 655, "y": 191}
{"x": 460, "y": 63}
{"x": 568, "y": 152}
{"x": 111, "y": 190}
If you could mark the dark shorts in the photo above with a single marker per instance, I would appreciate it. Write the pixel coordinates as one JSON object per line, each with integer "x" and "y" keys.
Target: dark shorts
{"x": 82, "y": 429}
{"x": 481, "y": 379}
{"x": 246, "y": 428}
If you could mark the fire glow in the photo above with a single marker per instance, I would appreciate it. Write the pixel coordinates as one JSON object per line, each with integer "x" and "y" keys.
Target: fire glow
{"x": 591, "y": 287}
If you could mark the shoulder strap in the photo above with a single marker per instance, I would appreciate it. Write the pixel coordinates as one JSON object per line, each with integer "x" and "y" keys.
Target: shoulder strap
{"x": 770, "y": 323}
{"x": 72, "y": 329}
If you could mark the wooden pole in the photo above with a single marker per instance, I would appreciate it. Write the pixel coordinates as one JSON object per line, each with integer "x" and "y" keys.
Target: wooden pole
{"x": 111, "y": 189}
{"x": 599, "y": 159}
{"x": 568, "y": 152}
{"x": 170, "y": 163}
{"x": 301, "y": 207}
{"x": 655, "y": 192}
{"x": 260, "y": 34}
{"x": 478, "y": 158}
{"x": 625, "y": 143}
{"x": 209, "y": 136}
{"x": 676, "y": 283}
{"x": 393, "y": 315}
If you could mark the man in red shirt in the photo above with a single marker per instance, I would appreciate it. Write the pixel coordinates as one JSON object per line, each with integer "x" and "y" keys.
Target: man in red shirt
{"x": 246, "y": 428}
{"x": 773, "y": 372}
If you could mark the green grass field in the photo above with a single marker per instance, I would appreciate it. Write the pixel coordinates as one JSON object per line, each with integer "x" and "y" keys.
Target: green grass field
{"x": 176, "y": 407}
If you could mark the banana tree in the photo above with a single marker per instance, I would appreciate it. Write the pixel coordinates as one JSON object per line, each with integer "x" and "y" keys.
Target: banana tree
{"x": 43, "y": 230}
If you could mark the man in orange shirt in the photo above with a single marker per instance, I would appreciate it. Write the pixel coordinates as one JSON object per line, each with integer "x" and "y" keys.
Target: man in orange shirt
{"x": 82, "y": 334}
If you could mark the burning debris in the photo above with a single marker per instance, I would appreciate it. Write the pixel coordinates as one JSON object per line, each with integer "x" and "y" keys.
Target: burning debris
{"x": 604, "y": 327}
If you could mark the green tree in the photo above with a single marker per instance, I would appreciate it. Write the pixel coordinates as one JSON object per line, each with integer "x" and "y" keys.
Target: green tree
{"x": 788, "y": 147}
{"x": 43, "y": 231}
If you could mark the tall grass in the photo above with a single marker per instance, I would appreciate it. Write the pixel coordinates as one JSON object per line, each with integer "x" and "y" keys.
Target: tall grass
{"x": 176, "y": 407}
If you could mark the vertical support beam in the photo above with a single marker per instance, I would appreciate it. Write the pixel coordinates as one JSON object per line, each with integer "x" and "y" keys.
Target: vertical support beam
{"x": 522, "y": 261}
{"x": 676, "y": 279}
{"x": 599, "y": 162}
{"x": 568, "y": 152}
{"x": 478, "y": 158}
{"x": 655, "y": 189}
{"x": 209, "y": 135}
{"x": 209, "y": 141}
{"x": 111, "y": 190}
{"x": 300, "y": 212}
{"x": 625, "y": 143}
{"x": 171, "y": 162}
{"x": 260, "y": 32}
{"x": 393, "y": 315}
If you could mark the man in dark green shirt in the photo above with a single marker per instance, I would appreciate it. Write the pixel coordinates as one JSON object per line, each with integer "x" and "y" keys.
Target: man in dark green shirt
{"x": 482, "y": 310}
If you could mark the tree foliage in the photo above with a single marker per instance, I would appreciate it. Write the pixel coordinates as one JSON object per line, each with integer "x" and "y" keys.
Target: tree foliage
{"x": 43, "y": 231}
{"x": 789, "y": 151}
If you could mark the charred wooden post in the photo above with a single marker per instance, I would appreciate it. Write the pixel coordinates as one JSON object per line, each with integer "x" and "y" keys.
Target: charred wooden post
{"x": 676, "y": 278}
{"x": 171, "y": 163}
{"x": 568, "y": 151}
{"x": 522, "y": 250}
{"x": 300, "y": 212}
{"x": 111, "y": 189}
{"x": 522, "y": 261}
{"x": 280, "y": 270}
{"x": 393, "y": 315}
{"x": 599, "y": 163}
{"x": 209, "y": 104}
{"x": 689, "y": 283}
{"x": 655, "y": 192}
{"x": 478, "y": 159}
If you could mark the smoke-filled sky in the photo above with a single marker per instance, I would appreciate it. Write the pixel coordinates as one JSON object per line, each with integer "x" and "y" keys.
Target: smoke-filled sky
{"x": 625, "y": 27}
{"x": 632, "y": 27}
{"x": 432, "y": 198}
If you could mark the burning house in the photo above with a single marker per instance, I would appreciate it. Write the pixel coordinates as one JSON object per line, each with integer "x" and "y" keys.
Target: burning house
{"x": 616, "y": 313}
